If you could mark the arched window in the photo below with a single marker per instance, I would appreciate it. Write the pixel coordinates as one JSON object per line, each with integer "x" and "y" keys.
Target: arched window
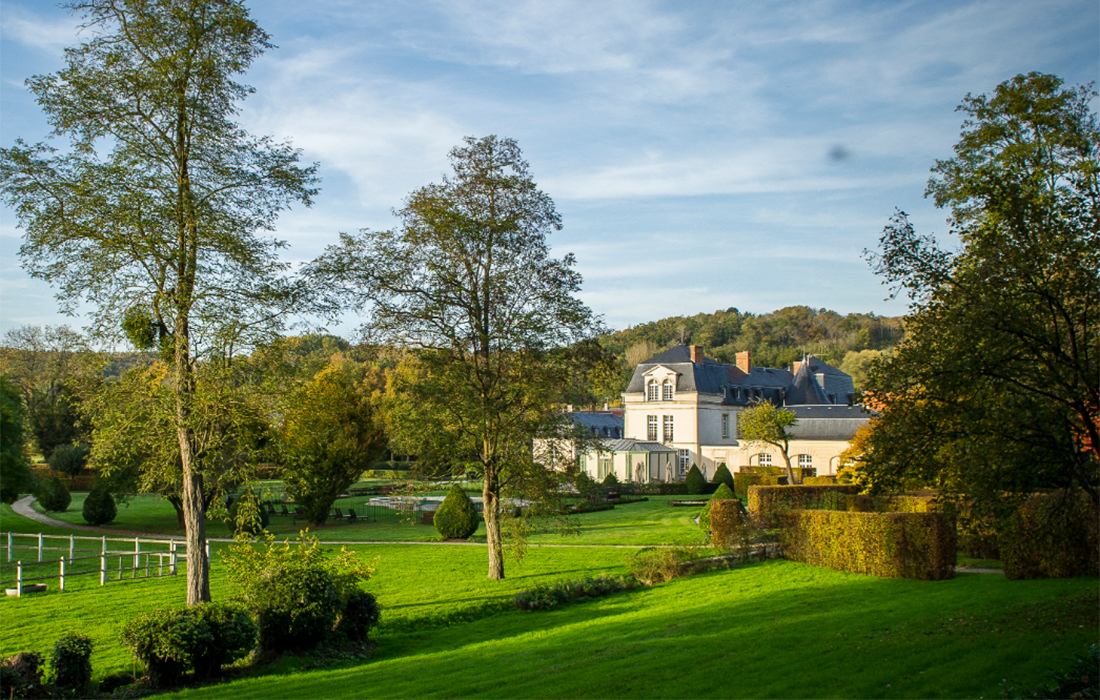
{"x": 764, "y": 459}
{"x": 651, "y": 390}
{"x": 666, "y": 390}
{"x": 806, "y": 461}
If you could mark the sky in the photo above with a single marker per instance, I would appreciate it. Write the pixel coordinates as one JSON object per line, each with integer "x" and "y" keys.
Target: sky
{"x": 702, "y": 155}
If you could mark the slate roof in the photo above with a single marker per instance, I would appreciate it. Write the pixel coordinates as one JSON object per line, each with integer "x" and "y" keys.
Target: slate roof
{"x": 606, "y": 424}
{"x": 629, "y": 445}
{"x": 804, "y": 389}
{"x": 738, "y": 388}
{"x": 828, "y": 421}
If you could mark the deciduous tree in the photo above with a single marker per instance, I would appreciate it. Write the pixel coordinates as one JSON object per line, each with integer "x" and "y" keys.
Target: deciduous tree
{"x": 156, "y": 212}
{"x": 330, "y": 434}
{"x": 765, "y": 424}
{"x": 997, "y": 389}
{"x": 468, "y": 281}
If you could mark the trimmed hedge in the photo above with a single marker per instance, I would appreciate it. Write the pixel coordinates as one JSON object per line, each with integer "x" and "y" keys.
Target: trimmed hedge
{"x": 1052, "y": 535}
{"x": 819, "y": 480}
{"x": 743, "y": 480}
{"x": 54, "y": 497}
{"x": 723, "y": 492}
{"x": 767, "y": 503}
{"x": 726, "y": 522}
{"x": 888, "y": 545}
{"x": 99, "y": 507}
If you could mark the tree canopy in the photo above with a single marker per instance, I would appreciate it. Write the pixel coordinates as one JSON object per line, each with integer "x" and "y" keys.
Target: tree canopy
{"x": 468, "y": 282}
{"x": 156, "y": 212}
{"x": 764, "y": 423}
{"x": 997, "y": 387}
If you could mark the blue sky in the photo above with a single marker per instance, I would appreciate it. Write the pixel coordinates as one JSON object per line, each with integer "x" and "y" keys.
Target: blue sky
{"x": 703, "y": 155}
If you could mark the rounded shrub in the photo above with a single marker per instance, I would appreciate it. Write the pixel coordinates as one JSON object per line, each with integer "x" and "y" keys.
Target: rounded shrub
{"x": 296, "y": 607}
{"x": 722, "y": 475}
{"x": 234, "y": 637}
{"x": 69, "y": 459}
{"x": 723, "y": 492}
{"x": 99, "y": 507}
{"x": 695, "y": 482}
{"x": 54, "y": 496}
{"x": 610, "y": 479}
{"x": 71, "y": 665}
{"x": 361, "y": 613}
{"x": 457, "y": 517}
{"x": 167, "y": 641}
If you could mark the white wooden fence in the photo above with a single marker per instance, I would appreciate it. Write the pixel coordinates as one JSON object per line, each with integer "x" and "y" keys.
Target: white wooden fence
{"x": 135, "y": 561}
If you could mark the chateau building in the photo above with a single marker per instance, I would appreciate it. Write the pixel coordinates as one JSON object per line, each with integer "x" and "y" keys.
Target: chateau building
{"x": 681, "y": 408}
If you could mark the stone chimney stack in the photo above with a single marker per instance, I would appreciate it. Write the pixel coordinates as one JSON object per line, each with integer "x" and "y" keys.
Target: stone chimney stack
{"x": 696, "y": 354}
{"x": 795, "y": 367}
{"x": 743, "y": 362}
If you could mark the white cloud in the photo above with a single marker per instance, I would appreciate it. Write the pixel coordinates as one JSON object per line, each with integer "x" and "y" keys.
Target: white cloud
{"x": 49, "y": 36}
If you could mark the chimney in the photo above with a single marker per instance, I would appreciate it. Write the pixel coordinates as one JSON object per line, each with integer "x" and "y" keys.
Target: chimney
{"x": 743, "y": 362}
{"x": 795, "y": 366}
{"x": 696, "y": 354}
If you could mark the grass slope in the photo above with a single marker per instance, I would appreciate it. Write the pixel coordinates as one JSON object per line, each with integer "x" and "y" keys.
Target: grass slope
{"x": 778, "y": 629}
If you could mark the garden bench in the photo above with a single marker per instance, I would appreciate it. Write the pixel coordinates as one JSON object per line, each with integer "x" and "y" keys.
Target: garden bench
{"x": 338, "y": 514}
{"x": 351, "y": 515}
{"x": 285, "y": 511}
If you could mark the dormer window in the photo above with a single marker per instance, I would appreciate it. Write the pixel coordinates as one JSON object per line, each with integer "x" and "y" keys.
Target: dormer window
{"x": 666, "y": 390}
{"x": 651, "y": 390}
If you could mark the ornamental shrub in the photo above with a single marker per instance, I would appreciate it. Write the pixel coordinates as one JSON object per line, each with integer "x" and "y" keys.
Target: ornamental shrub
{"x": 457, "y": 517}
{"x": 296, "y": 607}
{"x": 199, "y": 639}
{"x": 234, "y": 635}
{"x": 610, "y": 479}
{"x": 72, "y": 666}
{"x": 742, "y": 480}
{"x": 695, "y": 482}
{"x": 21, "y": 675}
{"x": 361, "y": 613}
{"x": 723, "y": 492}
{"x": 543, "y": 597}
{"x": 722, "y": 475}
{"x": 69, "y": 459}
{"x": 99, "y": 507}
{"x": 167, "y": 640}
{"x": 54, "y": 496}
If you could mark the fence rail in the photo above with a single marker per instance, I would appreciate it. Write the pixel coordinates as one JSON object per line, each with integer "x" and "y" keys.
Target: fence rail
{"x": 137, "y": 562}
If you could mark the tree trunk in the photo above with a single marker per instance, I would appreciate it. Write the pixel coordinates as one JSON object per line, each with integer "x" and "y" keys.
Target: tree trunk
{"x": 194, "y": 509}
{"x": 790, "y": 472}
{"x": 177, "y": 505}
{"x": 490, "y": 494}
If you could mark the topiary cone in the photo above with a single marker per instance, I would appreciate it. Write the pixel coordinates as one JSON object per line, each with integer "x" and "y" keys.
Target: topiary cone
{"x": 457, "y": 517}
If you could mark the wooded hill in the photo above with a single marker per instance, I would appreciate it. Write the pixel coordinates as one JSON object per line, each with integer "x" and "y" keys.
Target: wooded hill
{"x": 774, "y": 339}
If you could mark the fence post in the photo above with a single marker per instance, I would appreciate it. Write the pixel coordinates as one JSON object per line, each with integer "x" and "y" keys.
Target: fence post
{"x": 9, "y": 547}
{"x": 137, "y": 549}
{"x": 40, "y": 546}
{"x": 72, "y": 546}
{"x": 102, "y": 568}
{"x": 172, "y": 558}
{"x": 104, "y": 550}
{"x": 146, "y": 566}
{"x": 61, "y": 584}
{"x": 19, "y": 579}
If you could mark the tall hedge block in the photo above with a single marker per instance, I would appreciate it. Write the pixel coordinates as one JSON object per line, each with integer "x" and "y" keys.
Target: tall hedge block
{"x": 726, "y": 522}
{"x": 888, "y": 545}
{"x": 767, "y": 503}
{"x": 1052, "y": 536}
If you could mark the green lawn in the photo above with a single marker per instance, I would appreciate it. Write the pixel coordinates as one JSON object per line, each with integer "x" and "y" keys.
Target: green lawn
{"x": 776, "y": 629}
{"x": 645, "y": 523}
